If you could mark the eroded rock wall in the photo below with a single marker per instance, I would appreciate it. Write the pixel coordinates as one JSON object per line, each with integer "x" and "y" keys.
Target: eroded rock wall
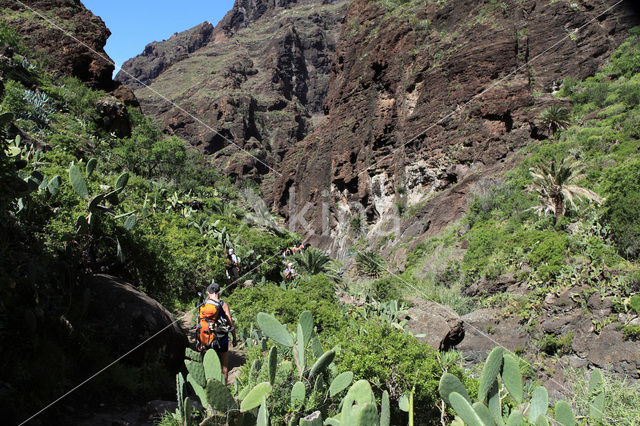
{"x": 83, "y": 57}
{"x": 428, "y": 100}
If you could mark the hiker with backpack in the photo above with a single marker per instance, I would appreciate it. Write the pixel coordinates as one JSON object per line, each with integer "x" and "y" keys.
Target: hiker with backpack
{"x": 213, "y": 326}
{"x": 289, "y": 273}
{"x": 233, "y": 267}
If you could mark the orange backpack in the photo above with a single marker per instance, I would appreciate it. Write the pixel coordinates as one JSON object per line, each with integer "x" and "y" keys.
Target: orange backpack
{"x": 208, "y": 315}
{"x": 212, "y": 324}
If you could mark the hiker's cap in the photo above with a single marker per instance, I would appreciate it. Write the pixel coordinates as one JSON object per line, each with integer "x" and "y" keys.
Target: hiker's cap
{"x": 213, "y": 288}
{"x": 230, "y": 250}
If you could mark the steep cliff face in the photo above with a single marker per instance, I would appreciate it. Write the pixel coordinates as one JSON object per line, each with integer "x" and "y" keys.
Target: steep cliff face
{"x": 427, "y": 102}
{"x": 64, "y": 54}
{"x": 256, "y": 81}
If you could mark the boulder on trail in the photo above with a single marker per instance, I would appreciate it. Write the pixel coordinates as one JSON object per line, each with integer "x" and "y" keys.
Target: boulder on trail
{"x": 125, "y": 317}
{"x": 441, "y": 326}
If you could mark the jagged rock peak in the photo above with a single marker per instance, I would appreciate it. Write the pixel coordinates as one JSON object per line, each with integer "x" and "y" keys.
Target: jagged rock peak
{"x": 158, "y": 56}
{"x": 245, "y": 12}
{"x": 260, "y": 87}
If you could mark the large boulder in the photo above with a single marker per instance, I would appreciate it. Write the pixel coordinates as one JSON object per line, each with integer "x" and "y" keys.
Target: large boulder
{"x": 113, "y": 117}
{"x": 440, "y": 326}
{"x": 127, "y": 317}
{"x": 486, "y": 329}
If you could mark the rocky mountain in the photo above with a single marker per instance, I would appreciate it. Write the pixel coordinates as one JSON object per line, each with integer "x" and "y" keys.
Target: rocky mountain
{"x": 386, "y": 105}
{"x": 256, "y": 81}
{"x": 84, "y": 58}
{"x": 427, "y": 103}
{"x": 158, "y": 56}
{"x": 70, "y": 40}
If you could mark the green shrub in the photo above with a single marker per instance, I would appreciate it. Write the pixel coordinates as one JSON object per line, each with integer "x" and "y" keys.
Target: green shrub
{"x": 621, "y": 213}
{"x": 631, "y": 332}
{"x": 553, "y": 345}
{"x": 10, "y": 37}
{"x": 625, "y": 61}
{"x": 287, "y": 304}
{"x": 386, "y": 288}
{"x": 395, "y": 362}
{"x": 548, "y": 253}
{"x": 13, "y": 99}
{"x": 485, "y": 240}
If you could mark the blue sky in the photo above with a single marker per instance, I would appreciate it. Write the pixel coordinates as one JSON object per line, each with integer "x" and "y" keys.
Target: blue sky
{"x": 136, "y": 23}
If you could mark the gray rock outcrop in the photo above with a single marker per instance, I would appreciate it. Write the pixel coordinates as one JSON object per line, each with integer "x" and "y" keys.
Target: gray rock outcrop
{"x": 441, "y": 326}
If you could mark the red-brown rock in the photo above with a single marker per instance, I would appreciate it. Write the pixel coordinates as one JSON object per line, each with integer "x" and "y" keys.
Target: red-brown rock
{"x": 68, "y": 34}
{"x": 426, "y": 102}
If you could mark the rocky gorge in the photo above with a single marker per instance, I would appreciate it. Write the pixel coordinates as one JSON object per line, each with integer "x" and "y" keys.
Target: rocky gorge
{"x": 386, "y": 127}
{"x": 412, "y": 105}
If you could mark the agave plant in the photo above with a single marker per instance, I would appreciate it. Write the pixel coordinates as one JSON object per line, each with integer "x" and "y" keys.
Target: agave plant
{"x": 555, "y": 186}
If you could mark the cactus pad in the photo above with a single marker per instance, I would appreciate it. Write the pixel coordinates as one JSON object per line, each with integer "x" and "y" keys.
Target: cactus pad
{"x": 77, "y": 182}
{"x": 219, "y": 397}
{"x": 273, "y": 329}
{"x": 490, "y": 373}
{"x": 340, "y": 383}
{"x": 273, "y": 364}
{"x": 212, "y": 367}
{"x": 255, "y": 395}
{"x": 322, "y": 363}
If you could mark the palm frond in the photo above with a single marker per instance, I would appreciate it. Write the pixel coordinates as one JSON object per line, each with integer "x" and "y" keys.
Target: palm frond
{"x": 311, "y": 261}
{"x": 554, "y": 185}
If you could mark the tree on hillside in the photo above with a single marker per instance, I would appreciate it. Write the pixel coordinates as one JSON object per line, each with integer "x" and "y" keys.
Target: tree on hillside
{"x": 555, "y": 118}
{"x": 370, "y": 263}
{"x": 312, "y": 261}
{"x": 555, "y": 185}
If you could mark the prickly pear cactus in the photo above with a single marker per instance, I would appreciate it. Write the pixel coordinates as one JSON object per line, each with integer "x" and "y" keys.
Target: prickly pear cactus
{"x": 501, "y": 373}
{"x": 255, "y": 396}
{"x": 77, "y": 182}
{"x": 273, "y": 329}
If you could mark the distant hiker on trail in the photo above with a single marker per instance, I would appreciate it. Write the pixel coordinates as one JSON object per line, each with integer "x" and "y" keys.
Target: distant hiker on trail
{"x": 213, "y": 327}
{"x": 287, "y": 253}
{"x": 289, "y": 273}
{"x": 233, "y": 267}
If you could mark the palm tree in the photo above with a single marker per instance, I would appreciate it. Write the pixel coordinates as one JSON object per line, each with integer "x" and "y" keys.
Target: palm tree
{"x": 370, "y": 263}
{"x": 312, "y": 261}
{"x": 555, "y": 118}
{"x": 554, "y": 186}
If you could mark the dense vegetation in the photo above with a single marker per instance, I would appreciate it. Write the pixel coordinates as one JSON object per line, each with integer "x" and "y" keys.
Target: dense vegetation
{"x": 81, "y": 196}
{"x": 86, "y": 192}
